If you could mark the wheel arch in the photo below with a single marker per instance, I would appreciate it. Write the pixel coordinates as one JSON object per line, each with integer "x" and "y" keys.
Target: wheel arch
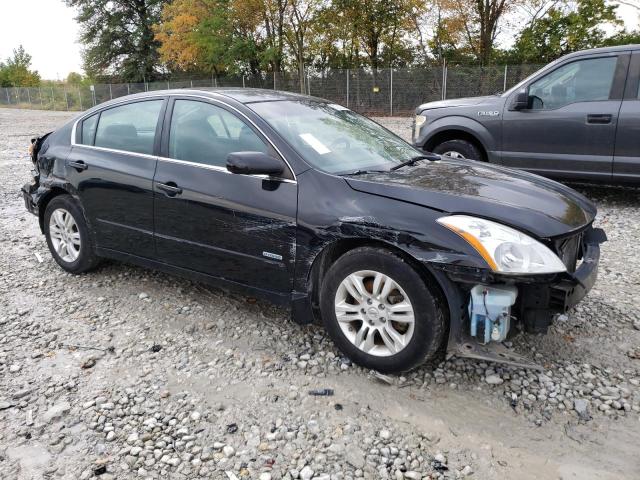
{"x": 333, "y": 251}
{"x": 456, "y": 134}
{"x": 54, "y": 192}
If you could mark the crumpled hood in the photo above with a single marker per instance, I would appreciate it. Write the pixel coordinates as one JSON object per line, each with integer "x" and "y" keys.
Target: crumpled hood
{"x": 456, "y": 102}
{"x": 523, "y": 200}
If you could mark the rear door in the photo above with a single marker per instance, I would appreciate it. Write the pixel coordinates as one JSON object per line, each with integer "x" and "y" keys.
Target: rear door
{"x": 237, "y": 227}
{"x": 569, "y": 129}
{"x": 112, "y": 164}
{"x": 626, "y": 162}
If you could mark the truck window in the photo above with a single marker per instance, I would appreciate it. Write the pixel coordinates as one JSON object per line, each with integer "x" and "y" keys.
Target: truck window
{"x": 587, "y": 80}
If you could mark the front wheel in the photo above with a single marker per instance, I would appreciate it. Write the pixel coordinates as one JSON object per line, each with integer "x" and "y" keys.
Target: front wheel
{"x": 460, "y": 149}
{"x": 68, "y": 236}
{"x": 380, "y": 312}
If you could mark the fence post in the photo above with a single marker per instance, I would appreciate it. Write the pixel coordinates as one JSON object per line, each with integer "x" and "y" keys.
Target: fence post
{"x": 40, "y": 95}
{"x": 444, "y": 79}
{"x": 29, "y": 96}
{"x": 53, "y": 100}
{"x": 6, "y": 90}
{"x": 66, "y": 98}
{"x": 348, "y": 75}
{"x": 504, "y": 88}
{"x": 80, "y": 98}
{"x": 110, "y": 93}
{"x": 191, "y": 83}
{"x": 391, "y": 91}
{"x": 168, "y": 86}
{"x": 128, "y": 90}
{"x": 274, "y": 79}
{"x": 243, "y": 81}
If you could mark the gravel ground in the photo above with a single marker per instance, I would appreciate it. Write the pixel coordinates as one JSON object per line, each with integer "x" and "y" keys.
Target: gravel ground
{"x": 128, "y": 373}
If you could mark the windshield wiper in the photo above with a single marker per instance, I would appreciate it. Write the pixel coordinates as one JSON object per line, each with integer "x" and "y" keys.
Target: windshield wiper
{"x": 362, "y": 172}
{"x": 427, "y": 156}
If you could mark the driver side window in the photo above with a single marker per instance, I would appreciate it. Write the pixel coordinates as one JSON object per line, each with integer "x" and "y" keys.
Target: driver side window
{"x": 204, "y": 133}
{"x": 587, "y": 80}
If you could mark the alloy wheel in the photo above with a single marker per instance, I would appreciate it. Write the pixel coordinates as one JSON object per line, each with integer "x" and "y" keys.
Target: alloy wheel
{"x": 64, "y": 234}
{"x": 454, "y": 154}
{"x": 374, "y": 313}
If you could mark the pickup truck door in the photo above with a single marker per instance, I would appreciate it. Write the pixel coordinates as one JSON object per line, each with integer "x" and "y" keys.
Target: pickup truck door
{"x": 626, "y": 161}
{"x": 569, "y": 129}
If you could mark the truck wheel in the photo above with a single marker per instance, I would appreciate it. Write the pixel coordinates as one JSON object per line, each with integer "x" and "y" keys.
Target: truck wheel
{"x": 380, "y": 312}
{"x": 67, "y": 235}
{"x": 459, "y": 149}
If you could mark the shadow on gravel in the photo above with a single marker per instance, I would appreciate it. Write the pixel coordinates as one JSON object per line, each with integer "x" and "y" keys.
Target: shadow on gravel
{"x": 625, "y": 196}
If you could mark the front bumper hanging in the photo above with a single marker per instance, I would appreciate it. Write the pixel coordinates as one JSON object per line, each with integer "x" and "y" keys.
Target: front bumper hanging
{"x": 539, "y": 301}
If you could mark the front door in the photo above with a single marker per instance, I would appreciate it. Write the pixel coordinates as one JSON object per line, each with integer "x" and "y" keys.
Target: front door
{"x": 569, "y": 129}
{"x": 626, "y": 162}
{"x": 112, "y": 165}
{"x": 237, "y": 227}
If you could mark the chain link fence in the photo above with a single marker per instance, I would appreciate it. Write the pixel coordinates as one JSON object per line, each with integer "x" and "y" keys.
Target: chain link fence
{"x": 387, "y": 92}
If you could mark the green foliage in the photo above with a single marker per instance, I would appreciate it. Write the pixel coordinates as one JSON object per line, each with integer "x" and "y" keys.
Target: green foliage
{"x": 15, "y": 72}
{"x": 564, "y": 30}
{"x": 118, "y": 37}
{"x": 74, "y": 78}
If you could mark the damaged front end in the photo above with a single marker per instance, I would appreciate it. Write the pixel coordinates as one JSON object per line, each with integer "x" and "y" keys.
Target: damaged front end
{"x": 488, "y": 307}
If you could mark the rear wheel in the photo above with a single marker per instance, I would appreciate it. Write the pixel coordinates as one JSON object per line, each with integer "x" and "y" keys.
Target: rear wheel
{"x": 380, "y": 312}
{"x": 459, "y": 149}
{"x": 67, "y": 235}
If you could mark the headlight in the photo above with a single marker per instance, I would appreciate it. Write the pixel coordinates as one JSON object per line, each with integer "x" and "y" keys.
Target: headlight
{"x": 420, "y": 119}
{"x": 505, "y": 249}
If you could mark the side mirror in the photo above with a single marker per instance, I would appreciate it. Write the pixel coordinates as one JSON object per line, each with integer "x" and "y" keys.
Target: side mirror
{"x": 254, "y": 163}
{"x": 521, "y": 102}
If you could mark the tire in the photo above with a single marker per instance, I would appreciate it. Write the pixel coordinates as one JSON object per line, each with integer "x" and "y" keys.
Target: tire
{"x": 461, "y": 149}
{"x": 421, "y": 340}
{"x": 79, "y": 256}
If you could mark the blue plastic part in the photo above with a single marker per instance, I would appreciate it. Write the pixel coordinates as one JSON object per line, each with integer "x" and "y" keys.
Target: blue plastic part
{"x": 490, "y": 312}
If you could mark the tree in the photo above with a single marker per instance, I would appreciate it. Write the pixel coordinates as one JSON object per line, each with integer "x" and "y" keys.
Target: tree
{"x": 565, "y": 29}
{"x": 118, "y": 37}
{"x": 480, "y": 21}
{"x": 223, "y": 35}
{"x": 302, "y": 16}
{"x": 378, "y": 24}
{"x": 16, "y": 72}
{"x": 74, "y": 78}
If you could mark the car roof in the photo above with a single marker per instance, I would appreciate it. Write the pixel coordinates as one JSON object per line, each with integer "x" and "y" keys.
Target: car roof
{"x": 242, "y": 95}
{"x": 618, "y": 48}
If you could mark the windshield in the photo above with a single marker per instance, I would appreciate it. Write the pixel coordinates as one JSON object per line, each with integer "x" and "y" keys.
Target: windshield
{"x": 333, "y": 138}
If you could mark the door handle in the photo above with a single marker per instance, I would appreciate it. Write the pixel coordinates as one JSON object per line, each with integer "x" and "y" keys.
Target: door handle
{"x": 599, "y": 118}
{"x": 79, "y": 165}
{"x": 170, "y": 188}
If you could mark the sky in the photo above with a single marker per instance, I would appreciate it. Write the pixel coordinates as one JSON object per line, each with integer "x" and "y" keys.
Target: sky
{"x": 49, "y": 33}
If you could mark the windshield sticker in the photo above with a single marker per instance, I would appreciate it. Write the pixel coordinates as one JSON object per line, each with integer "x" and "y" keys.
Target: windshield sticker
{"x": 340, "y": 108}
{"x": 314, "y": 143}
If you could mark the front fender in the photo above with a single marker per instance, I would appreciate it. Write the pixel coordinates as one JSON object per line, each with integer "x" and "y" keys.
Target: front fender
{"x": 457, "y": 122}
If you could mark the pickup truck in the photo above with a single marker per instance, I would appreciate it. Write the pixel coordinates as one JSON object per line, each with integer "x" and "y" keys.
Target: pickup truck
{"x": 577, "y": 118}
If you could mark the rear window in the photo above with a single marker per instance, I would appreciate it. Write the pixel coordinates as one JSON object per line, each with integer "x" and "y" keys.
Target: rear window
{"x": 130, "y": 127}
{"x": 89, "y": 129}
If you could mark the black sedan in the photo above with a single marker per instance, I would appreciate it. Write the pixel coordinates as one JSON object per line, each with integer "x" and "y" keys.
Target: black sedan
{"x": 402, "y": 255}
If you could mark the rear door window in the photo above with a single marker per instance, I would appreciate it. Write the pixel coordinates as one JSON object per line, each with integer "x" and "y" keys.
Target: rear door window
{"x": 89, "y": 129}
{"x": 129, "y": 127}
